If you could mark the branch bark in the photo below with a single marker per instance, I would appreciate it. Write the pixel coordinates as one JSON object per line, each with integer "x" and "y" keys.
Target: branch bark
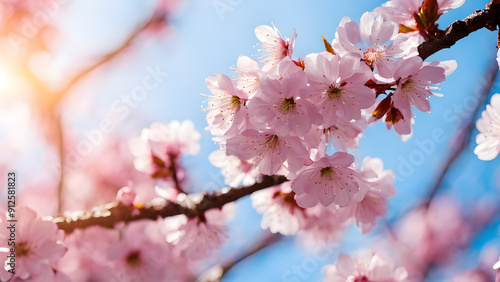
{"x": 195, "y": 204}
{"x": 486, "y": 18}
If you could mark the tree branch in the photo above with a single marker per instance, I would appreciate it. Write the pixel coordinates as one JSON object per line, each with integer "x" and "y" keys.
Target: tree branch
{"x": 215, "y": 273}
{"x": 108, "y": 57}
{"x": 459, "y": 29}
{"x": 61, "y": 154}
{"x": 195, "y": 204}
{"x": 462, "y": 139}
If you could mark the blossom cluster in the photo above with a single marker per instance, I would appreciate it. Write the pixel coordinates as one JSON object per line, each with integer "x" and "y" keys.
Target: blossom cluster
{"x": 278, "y": 115}
{"x": 301, "y": 117}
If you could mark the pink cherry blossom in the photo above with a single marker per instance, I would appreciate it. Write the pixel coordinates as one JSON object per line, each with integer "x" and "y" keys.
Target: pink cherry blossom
{"x": 374, "y": 203}
{"x": 425, "y": 240}
{"x": 366, "y": 266}
{"x": 234, "y": 170}
{"x": 196, "y": 237}
{"x": 337, "y": 86}
{"x": 38, "y": 245}
{"x": 269, "y": 151}
{"x": 496, "y": 266}
{"x": 413, "y": 83}
{"x": 87, "y": 256}
{"x": 323, "y": 225}
{"x": 274, "y": 44}
{"x": 373, "y": 36}
{"x": 160, "y": 145}
{"x": 281, "y": 212}
{"x": 328, "y": 180}
{"x": 141, "y": 253}
{"x": 282, "y": 107}
{"x": 403, "y": 12}
{"x": 173, "y": 138}
{"x": 227, "y": 112}
{"x": 248, "y": 75}
{"x": 126, "y": 196}
{"x": 488, "y": 140}
{"x": 498, "y": 57}
{"x": 344, "y": 135}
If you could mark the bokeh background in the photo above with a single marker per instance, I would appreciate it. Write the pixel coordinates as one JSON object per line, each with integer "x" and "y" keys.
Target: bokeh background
{"x": 206, "y": 37}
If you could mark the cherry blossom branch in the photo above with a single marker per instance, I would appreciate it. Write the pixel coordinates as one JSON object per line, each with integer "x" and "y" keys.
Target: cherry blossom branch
{"x": 195, "y": 204}
{"x": 108, "y": 215}
{"x": 462, "y": 139}
{"x": 486, "y": 18}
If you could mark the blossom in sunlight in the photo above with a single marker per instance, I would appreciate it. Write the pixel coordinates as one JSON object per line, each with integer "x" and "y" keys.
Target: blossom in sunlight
{"x": 378, "y": 188}
{"x": 414, "y": 78}
{"x": 248, "y": 75}
{"x": 488, "y": 139}
{"x": 227, "y": 111}
{"x": 275, "y": 46}
{"x": 38, "y": 245}
{"x": 282, "y": 105}
{"x": 328, "y": 180}
{"x": 366, "y": 266}
{"x": 344, "y": 135}
{"x": 374, "y": 36}
{"x": 269, "y": 151}
{"x": 141, "y": 253}
{"x": 234, "y": 170}
{"x": 337, "y": 86}
{"x": 405, "y": 12}
{"x": 423, "y": 238}
{"x": 197, "y": 237}
{"x": 161, "y": 144}
{"x": 281, "y": 212}
{"x": 323, "y": 225}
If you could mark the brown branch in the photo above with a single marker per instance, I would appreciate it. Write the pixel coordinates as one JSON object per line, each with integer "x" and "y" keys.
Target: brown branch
{"x": 110, "y": 214}
{"x": 487, "y": 17}
{"x": 61, "y": 155}
{"x": 463, "y": 137}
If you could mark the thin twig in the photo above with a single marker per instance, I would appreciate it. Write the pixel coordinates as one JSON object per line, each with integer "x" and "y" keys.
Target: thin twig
{"x": 108, "y": 57}
{"x": 486, "y": 18}
{"x": 60, "y": 149}
{"x": 463, "y": 137}
{"x": 216, "y": 273}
